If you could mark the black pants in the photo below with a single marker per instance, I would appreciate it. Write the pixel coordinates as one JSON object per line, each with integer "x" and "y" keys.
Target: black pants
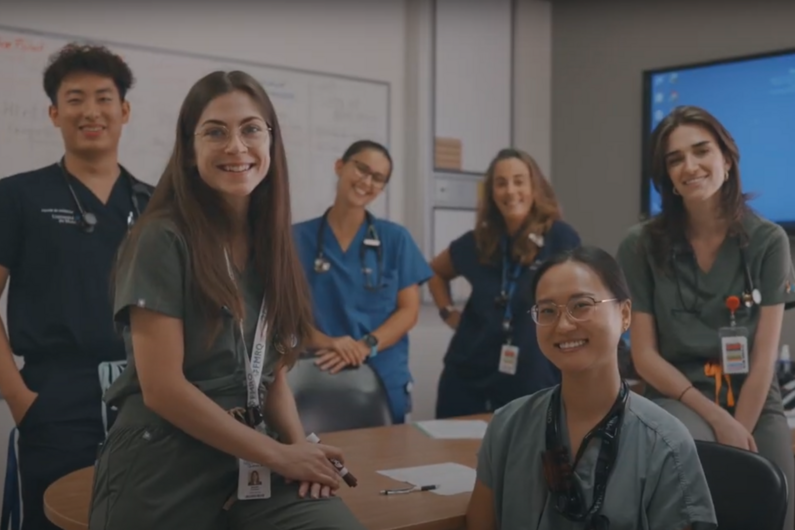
{"x": 463, "y": 395}
{"x": 47, "y": 453}
{"x": 59, "y": 434}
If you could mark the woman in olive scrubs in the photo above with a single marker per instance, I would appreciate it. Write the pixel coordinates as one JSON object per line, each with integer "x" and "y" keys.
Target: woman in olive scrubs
{"x": 214, "y": 306}
{"x": 707, "y": 252}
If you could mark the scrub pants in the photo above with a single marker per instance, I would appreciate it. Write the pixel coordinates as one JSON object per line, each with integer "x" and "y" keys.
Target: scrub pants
{"x": 59, "y": 433}
{"x": 461, "y": 396}
{"x": 399, "y": 402}
{"x": 152, "y": 475}
{"x": 772, "y": 436}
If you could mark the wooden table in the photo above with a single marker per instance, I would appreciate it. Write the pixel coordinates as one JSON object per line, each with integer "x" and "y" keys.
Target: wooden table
{"x": 366, "y": 452}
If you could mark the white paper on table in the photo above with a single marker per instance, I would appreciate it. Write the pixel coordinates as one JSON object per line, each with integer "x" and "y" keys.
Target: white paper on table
{"x": 454, "y": 429}
{"x": 450, "y": 478}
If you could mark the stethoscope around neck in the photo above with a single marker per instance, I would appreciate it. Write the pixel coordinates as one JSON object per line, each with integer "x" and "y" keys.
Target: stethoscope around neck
{"x": 751, "y": 295}
{"x": 370, "y": 242}
{"x": 88, "y": 220}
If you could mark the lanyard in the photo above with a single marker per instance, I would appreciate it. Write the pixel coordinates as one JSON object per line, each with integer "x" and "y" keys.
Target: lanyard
{"x": 254, "y": 365}
{"x": 510, "y": 277}
{"x": 568, "y": 497}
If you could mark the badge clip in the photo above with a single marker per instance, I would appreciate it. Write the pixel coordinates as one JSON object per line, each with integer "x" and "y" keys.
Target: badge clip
{"x": 734, "y": 342}
{"x": 732, "y": 304}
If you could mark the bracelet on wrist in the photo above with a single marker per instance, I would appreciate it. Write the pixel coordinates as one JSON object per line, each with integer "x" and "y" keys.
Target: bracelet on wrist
{"x": 683, "y": 393}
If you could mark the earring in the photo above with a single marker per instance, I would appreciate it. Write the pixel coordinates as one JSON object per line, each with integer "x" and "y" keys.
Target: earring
{"x": 676, "y": 191}
{"x": 726, "y": 177}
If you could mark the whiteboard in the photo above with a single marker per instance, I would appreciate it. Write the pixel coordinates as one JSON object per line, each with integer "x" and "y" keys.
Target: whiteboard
{"x": 473, "y": 81}
{"x": 320, "y": 114}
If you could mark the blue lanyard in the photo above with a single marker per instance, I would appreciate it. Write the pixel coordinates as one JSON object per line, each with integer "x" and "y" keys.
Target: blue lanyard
{"x": 510, "y": 277}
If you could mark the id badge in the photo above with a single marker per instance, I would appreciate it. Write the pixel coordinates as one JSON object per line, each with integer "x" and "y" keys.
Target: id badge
{"x": 734, "y": 350}
{"x": 253, "y": 481}
{"x": 509, "y": 356}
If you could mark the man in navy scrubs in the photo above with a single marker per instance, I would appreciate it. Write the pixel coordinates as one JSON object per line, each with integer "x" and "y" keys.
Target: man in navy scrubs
{"x": 60, "y": 228}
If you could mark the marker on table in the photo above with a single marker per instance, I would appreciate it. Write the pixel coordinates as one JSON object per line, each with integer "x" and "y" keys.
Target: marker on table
{"x": 346, "y": 475}
{"x": 409, "y": 490}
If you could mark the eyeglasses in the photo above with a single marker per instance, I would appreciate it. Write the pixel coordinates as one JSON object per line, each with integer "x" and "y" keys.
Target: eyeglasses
{"x": 578, "y": 309}
{"x": 251, "y": 134}
{"x": 364, "y": 171}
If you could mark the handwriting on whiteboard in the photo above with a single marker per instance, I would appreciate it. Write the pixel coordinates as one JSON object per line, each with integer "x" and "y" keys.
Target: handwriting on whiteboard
{"x": 20, "y": 44}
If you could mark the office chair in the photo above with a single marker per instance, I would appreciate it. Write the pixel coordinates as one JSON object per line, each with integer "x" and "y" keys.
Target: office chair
{"x": 748, "y": 490}
{"x": 353, "y": 398}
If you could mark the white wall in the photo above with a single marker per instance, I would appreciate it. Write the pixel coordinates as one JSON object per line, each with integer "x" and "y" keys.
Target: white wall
{"x": 388, "y": 41}
{"x": 531, "y": 124}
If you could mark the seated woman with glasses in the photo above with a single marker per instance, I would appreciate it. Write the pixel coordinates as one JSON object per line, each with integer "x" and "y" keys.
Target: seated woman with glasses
{"x": 364, "y": 274}
{"x": 587, "y": 454}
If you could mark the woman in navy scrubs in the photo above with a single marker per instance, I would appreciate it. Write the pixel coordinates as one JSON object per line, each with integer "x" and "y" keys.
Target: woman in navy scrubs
{"x": 364, "y": 274}
{"x": 493, "y": 357}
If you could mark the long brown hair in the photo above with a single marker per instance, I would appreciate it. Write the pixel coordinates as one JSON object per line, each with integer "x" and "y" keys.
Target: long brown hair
{"x": 668, "y": 228}
{"x": 200, "y": 215}
{"x": 491, "y": 227}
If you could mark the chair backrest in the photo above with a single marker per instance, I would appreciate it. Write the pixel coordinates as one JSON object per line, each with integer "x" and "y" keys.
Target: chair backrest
{"x": 353, "y": 398}
{"x": 748, "y": 490}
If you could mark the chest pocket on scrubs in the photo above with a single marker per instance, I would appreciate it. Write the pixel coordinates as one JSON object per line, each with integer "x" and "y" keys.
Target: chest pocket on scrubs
{"x": 108, "y": 373}
{"x": 379, "y": 302}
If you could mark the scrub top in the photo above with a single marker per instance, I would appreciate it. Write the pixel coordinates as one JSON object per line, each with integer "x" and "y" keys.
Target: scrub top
{"x": 59, "y": 308}
{"x": 474, "y": 350}
{"x": 343, "y": 306}
{"x": 657, "y": 482}
{"x": 688, "y": 323}
{"x": 158, "y": 278}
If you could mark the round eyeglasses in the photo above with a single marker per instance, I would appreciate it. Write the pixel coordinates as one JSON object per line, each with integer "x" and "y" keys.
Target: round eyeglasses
{"x": 578, "y": 309}
{"x": 251, "y": 134}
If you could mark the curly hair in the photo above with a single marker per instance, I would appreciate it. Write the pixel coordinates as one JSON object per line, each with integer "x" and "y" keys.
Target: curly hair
{"x": 89, "y": 58}
{"x": 668, "y": 228}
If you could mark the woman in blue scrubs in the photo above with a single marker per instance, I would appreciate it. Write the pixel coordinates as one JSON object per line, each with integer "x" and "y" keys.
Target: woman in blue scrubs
{"x": 364, "y": 274}
{"x": 493, "y": 357}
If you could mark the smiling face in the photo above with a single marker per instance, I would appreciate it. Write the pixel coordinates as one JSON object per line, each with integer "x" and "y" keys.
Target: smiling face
{"x": 512, "y": 189}
{"x": 90, "y": 113}
{"x": 362, "y": 177}
{"x": 580, "y": 323}
{"x": 232, "y": 145}
{"x": 695, "y": 164}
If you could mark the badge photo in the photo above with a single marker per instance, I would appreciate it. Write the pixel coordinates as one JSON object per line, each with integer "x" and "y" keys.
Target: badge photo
{"x": 253, "y": 481}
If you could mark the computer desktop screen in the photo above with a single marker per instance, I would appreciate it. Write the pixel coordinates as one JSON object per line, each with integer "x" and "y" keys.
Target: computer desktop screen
{"x": 754, "y": 98}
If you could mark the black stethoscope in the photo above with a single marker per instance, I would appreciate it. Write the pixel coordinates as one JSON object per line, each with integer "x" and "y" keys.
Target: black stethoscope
{"x": 88, "y": 221}
{"x": 370, "y": 242}
{"x": 750, "y": 296}
{"x": 567, "y": 498}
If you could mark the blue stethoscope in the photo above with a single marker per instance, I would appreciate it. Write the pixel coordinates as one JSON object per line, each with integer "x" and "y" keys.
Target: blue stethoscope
{"x": 370, "y": 242}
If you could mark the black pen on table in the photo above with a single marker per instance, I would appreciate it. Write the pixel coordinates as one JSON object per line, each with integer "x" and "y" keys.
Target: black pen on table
{"x": 410, "y": 489}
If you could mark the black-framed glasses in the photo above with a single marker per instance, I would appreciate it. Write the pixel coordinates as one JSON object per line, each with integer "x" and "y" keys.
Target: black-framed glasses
{"x": 578, "y": 309}
{"x": 364, "y": 171}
